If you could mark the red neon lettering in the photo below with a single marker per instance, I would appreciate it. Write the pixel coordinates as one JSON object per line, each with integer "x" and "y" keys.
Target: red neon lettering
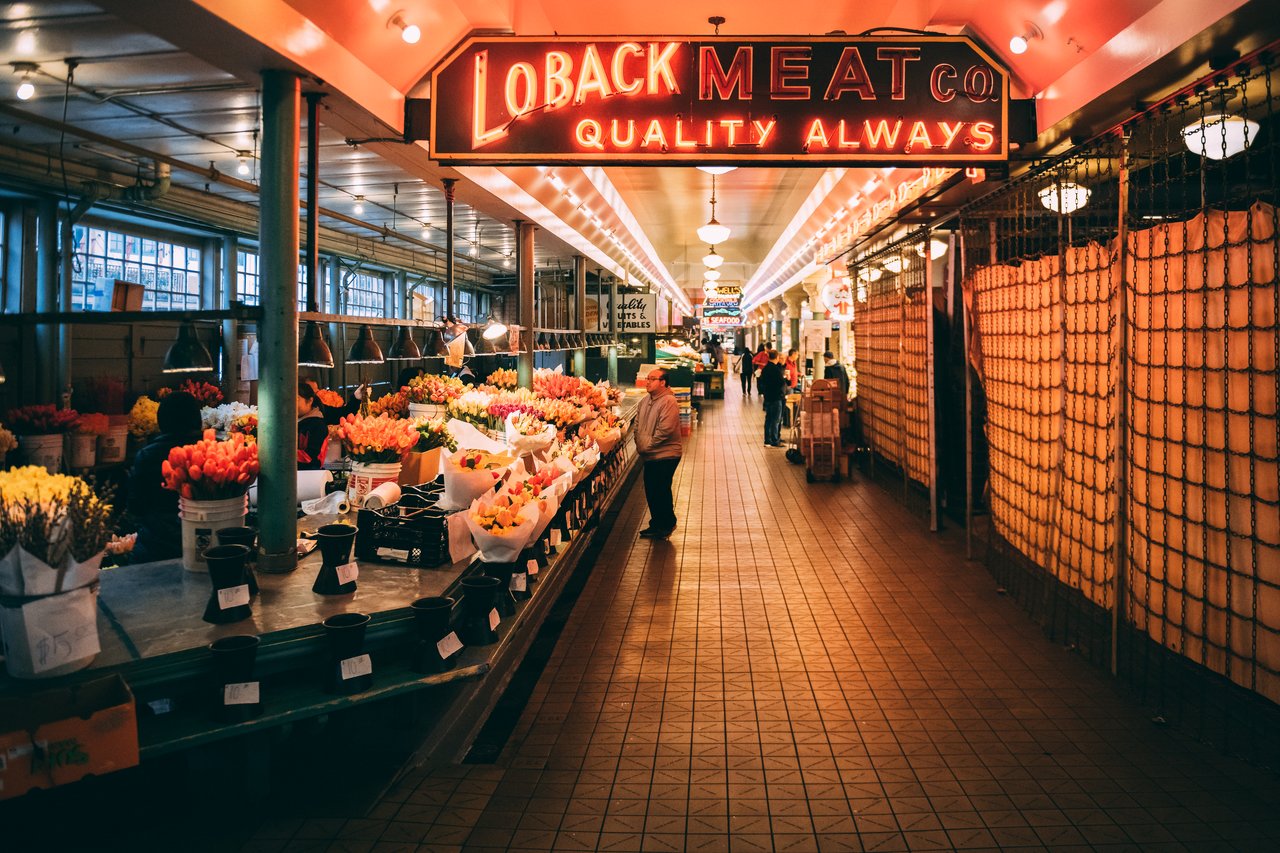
{"x": 845, "y": 142}
{"x": 592, "y": 78}
{"x": 559, "y": 88}
{"x": 521, "y": 72}
{"x": 817, "y": 133}
{"x": 660, "y": 67}
{"x": 763, "y": 130}
{"x": 480, "y": 135}
{"x": 631, "y": 134}
{"x": 919, "y": 133}
{"x": 785, "y": 74}
{"x": 850, "y": 76}
{"x": 984, "y": 135}
{"x": 681, "y": 142}
{"x": 713, "y": 76}
{"x": 732, "y": 125}
{"x": 878, "y": 135}
{"x": 942, "y": 93}
{"x": 980, "y": 84}
{"x": 655, "y": 135}
{"x": 621, "y": 85}
{"x": 898, "y": 57}
{"x": 950, "y": 132}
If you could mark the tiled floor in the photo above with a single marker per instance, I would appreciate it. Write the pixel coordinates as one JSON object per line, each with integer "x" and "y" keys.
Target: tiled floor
{"x": 801, "y": 668}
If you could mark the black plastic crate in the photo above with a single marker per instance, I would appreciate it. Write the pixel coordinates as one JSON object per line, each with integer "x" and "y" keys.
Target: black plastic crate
{"x": 412, "y": 531}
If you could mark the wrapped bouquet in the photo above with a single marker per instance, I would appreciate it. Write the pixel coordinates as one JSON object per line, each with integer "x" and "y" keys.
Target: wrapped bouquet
{"x": 502, "y": 525}
{"x": 53, "y": 530}
{"x": 528, "y": 433}
{"x": 468, "y": 474}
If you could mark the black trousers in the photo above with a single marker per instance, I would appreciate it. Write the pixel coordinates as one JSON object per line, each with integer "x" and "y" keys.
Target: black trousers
{"x": 746, "y": 383}
{"x": 658, "y": 474}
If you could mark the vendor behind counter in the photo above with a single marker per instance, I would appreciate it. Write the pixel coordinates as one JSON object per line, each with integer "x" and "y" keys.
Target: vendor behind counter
{"x": 154, "y": 506}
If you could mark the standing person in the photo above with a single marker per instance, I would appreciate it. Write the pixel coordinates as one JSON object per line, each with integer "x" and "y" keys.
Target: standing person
{"x": 658, "y": 443}
{"x": 760, "y": 360}
{"x": 746, "y": 369}
{"x": 154, "y": 506}
{"x": 835, "y": 370}
{"x": 313, "y": 432}
{"x": 792, "y": 368}
{"x": 773, "y": 388}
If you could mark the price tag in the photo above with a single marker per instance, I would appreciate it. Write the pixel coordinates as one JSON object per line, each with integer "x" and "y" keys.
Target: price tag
{"x": 555, "y": 537}
{"x": 244, "y": 693}
{"x": 60, "y": 629}
{"x": 356, "y": 667}
{"x": 531, "y": 568}
{"x": 449, "y": 645}
{"x": 494, "y": 619}
{"x": 348, "y": 572}
{"x": 160, "y": 706}
{"x": 233, "y": 596}
{"x": 519, "y": 582}
{"x": 401, "y": 554}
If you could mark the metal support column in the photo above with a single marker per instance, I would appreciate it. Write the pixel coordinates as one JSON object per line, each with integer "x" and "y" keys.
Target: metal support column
{"x": 278, "y": 334}
{"x": 525, "y": 303}
{"x": 47, "y": 300}
{"x": 230, "y": 248}
{"x": 67, "y": 246}
{"x": 613, "y": 330}
{"x": 580, "y": 312}
{"x": 449, "y": 304}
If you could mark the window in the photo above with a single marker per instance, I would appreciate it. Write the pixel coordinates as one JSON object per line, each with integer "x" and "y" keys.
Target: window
{"x": 249, "y": 282}
{"x": 363, "y": 294}
{"x": 169, "y": 272}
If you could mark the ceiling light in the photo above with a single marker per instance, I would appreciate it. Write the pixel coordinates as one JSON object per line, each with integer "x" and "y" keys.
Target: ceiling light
{"x": 493, "y": 329}
{"x": 717, "y": 170}
{"x": 26, "y": 89}
{"x": 242, "y": 163}
{"x": 937, "y": 249}
{"x": 426, "y": 231}
{"x": 1064, "y": 197}
{"x": 506, "y": 263}
{"x": 896, "y": 263}
{"x": 1219, "y": 136}
{"x": 408, "y": 32}
{"x": 711, "y": 275}
{"x": 187, "y": 354}
{"x": 365, "y": 350}
{"x": 1019, "y": 43}
{"x": 711, "y": 260}
{"x": 713, "y": 232}
{"x": 312, "y": 350}
{"x": 405, "y": 347}
{"x": 359, "y": 208}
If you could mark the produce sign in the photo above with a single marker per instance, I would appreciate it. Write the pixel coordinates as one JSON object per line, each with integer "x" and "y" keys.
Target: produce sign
{"x": 811, "y": 101}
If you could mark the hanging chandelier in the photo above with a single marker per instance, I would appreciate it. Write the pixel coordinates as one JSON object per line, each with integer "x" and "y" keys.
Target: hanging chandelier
{"x": 713, "y": 233}
{"x": 711, "y": 260}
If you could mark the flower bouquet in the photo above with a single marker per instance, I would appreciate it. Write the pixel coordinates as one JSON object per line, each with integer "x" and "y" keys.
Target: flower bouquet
{"x": 502, "y": 378}
{"x": 53, "y": 530}
{"x": 377, "y": 440}
{"x": 529, "y": 433}
{"x": 502, "y": 525}
{"x": 468, "y": 474}
{"x": 577, "y": 456}
{"x": 208, "y": 395}
{"x": 545, "y": 487}
{"x": 246, "y": 425}
{"x": 7, "y": 442}
{"x": 211, "y": 470}
{"x": 423, "y": 463}
{"x": 471, "y": 406}
{"x": 331, "y": 399}
{"x": 46, "y": 419}
{"x": 395, "y": 404}
{"x": 433, "y": 388}
{"x": 83, "y": 440}
{"x": 94, "y": 425}
{"x": 604, "y": 431}
{"x": 142, "y": 418}
{"x": 434, "y": 433}
{"x": 220, "y": 418}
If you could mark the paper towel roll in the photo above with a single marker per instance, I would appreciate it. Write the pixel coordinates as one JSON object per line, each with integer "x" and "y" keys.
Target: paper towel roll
{"x": 383, "y": 496}
{"x": 310, "y": 486}
{"x": 334, "y": 503}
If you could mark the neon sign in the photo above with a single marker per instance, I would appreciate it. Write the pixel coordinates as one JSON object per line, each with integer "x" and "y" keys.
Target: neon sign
{"x": 902, "y": 99}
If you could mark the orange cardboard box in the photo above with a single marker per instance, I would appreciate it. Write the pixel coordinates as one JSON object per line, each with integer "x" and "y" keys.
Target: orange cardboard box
{"x": 61, "y": 735}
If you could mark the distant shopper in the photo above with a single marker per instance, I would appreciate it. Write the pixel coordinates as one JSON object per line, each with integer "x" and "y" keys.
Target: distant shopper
{"x": 835, "y": 370}
{"x": 313, "y": 432}
{"x": 792, "y": 368}
{"x": 746, "y": 369}
{"x": 154, "y": 506}
{"x": 773, "y": 388}
{"x": 760, "y": 360}
{"x": 658, "y": 443}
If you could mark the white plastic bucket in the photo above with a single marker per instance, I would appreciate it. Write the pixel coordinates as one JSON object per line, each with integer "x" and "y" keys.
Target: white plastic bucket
{"x": 365, "y": 477}
{"x": 426, "y": 410}
{"x": 44, "y": 450}
{"x": 84, "y": 450}
{"x": 201, "y": 520}
{"x": 112, "y": 446}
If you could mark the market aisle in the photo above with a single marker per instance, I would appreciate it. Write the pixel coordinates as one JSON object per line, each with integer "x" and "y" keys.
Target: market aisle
{"x": 806, "y": 668}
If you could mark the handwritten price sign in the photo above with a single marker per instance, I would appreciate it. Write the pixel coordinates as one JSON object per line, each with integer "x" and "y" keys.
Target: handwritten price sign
{"x": 61, "y": 629}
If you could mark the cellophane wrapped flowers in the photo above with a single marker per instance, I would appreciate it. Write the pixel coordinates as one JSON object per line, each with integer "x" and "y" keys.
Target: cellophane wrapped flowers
{"x": 52, "y": 516}
{"x": 142, "y": 418}
{"x": 381, "y": 439}
{"x": 332, "y": 399}
{"x": 246, "y": 425}
{"x": 44, "y": 419}
{"x": 211, "y": 470}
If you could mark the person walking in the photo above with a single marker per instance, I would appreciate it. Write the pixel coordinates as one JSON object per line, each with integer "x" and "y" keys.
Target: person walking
{"x": 835, "y": 370}
{"x": 773, "y": 388}
{"x": 658, "y": 443}
{"x": 746, "y": 369}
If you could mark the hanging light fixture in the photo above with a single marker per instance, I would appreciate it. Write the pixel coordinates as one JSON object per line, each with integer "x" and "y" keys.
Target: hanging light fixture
{"x": 1064, "y": 197}
{"x": 365, "y": 350}
{"x": 405, "y": 347}
{"x": 711, "y": 260}
{"x": 359, "y": 208}
{"x": 1019, "y": 43}
{"x": 187, "y": 355}
{"x": 711, "y": 275}
{"x": 1219, "y": 136}
{"x": 312, "y": 350}
{"x": 242, "y": 164}
{"x": 713, "y": 233}
{"x": 26, "y": 88}
{"x": 409, "y": 33}
{"x": 493, "y": 329}
{"x": 717, "y": 170}
{"x": 935, "y": 247}
{"x": 896, "y": 263}
{"x": 435, "y": 346}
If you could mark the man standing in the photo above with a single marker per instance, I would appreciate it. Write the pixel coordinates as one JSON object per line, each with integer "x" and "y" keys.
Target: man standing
{"x": 658, "y": 443}
{"x": 772, "y": 385}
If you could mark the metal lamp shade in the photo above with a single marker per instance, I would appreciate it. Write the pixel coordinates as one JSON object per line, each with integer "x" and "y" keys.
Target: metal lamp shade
{"x": 365, "y": 350}
{"x": 435, "y": 346}
{"x": 405, "y": 348}
{"x": 313, "y": 351}
{"x": 187, "y": 355}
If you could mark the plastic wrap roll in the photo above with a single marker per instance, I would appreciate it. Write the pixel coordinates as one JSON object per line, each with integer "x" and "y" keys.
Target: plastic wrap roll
{"x": 383, "y": 496}
{"x": 310, "y": 486}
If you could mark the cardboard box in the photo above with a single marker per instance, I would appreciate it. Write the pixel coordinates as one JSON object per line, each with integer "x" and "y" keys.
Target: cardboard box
{"x": 117, "y": 295}
{"x": 59, "y": 736}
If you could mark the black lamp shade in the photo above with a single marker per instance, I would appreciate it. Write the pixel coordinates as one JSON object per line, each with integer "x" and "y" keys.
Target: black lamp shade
{"x": 405, "y": 348}
{"x": 187, "y": 355}
{"x": 313, "y": 351}
{"x": 365, "y": 350}
{"x": 435, "y": 346}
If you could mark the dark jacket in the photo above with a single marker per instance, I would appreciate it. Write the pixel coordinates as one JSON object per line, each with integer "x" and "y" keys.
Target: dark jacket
{"x": 154, "y": 506}
{"x": 772, "y": 383}
{"x": 313, "y": 441}
{"x": 839, "y": 374}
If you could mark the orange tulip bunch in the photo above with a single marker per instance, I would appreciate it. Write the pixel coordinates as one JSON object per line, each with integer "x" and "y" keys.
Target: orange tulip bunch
{"x": 381, "y": 439}
{"x": 535, "y": 485}
{"x": 503, "y": 514}
{"x": 211, "y": 470}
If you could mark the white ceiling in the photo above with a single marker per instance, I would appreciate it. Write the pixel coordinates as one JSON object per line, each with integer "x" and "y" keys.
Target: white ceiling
{"x": 180, "y": 77}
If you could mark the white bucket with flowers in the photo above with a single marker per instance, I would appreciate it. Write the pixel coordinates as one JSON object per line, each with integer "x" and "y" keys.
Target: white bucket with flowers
{"x": 376, "y": 447}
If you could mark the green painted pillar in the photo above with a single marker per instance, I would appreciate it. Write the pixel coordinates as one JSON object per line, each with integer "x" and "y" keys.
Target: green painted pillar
{"x": 613, "y": 329}
{"x": 278, "y": 333}
{"x": 580, "y": 312}
{"x": 525, "y": 301}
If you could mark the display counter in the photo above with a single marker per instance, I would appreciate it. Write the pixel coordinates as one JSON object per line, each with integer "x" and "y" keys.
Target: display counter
{"x": 708, "y": 384}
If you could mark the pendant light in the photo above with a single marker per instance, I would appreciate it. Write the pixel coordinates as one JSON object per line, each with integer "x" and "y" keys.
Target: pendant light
{"x": 711, "y": 260}
{"x": 405, "y": 347}
{"x": 1219, "y": 136}
{"x": 1064, "y": 197}
{"x": 936, "y": 248}
{"x": 896, "y": 263}
{"x": 711, "y": 275}
{"x": 365, "y": 350}
{"x": 435, "y": 346}
{"x": 493, "y": 329}
{"x": 313, "y": 351}
{"x": 187, "y": 355}
{"x": 713, "y": 233}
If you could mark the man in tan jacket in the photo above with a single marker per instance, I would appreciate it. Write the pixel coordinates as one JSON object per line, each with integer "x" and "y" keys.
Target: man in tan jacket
{"x": 658, "y": 443}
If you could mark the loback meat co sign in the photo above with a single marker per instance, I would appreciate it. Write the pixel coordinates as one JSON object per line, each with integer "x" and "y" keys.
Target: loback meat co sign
{"x": 659, "y": 101}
